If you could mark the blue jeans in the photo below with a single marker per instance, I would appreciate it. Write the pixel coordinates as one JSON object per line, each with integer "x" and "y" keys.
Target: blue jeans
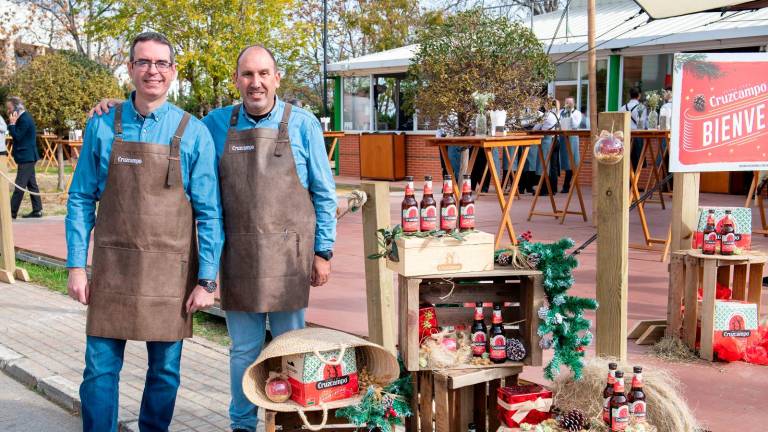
{"x": 454, "y": 155}
{"x": 248, "y": 330}
{"x": 99, "y": 391}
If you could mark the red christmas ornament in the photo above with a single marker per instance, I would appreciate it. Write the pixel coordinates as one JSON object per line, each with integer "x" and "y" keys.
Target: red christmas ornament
{"x": 278, "y": 389}
{"x": 609, "y": 148}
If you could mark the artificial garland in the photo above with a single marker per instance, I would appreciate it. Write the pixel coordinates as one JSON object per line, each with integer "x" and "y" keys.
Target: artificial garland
{"x": 563, "y": 326}
{"x": 382, "y": 407}
{"x": 387, "y": 238}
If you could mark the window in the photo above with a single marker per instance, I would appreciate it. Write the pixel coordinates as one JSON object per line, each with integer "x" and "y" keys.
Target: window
{"x": 357, "y": 104}
{"x": 572, "y": 80}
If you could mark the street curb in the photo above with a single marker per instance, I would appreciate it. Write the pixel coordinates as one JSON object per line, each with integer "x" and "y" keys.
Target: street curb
{"x": 55, "y": 388}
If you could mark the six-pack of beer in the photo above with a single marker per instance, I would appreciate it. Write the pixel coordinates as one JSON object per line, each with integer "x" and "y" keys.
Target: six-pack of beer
{"x": 423, "y": 216}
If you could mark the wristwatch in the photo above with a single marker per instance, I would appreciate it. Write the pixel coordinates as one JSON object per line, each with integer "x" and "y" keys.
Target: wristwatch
{"x": 207, "y": 284}
{"x": 326, "y": 255}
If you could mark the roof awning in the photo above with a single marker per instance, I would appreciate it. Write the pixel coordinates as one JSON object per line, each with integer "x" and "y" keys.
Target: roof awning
{"x": 658, "y": 9}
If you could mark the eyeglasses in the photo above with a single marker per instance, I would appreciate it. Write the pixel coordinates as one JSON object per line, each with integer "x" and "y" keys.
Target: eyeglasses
{"x": 144, "y": 65}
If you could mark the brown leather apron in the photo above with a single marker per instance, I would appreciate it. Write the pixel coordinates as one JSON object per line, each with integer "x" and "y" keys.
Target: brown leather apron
{"x": 145, "y": 254}
{"x": 269, "y": 222}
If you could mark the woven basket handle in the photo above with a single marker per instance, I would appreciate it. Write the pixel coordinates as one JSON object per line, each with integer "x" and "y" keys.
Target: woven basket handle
{"x": 342, "y": 349}
{"x": 306, "y": 422}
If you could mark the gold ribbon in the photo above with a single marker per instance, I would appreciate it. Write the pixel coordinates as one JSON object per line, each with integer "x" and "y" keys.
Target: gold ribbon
{"x": 522, "y": 409}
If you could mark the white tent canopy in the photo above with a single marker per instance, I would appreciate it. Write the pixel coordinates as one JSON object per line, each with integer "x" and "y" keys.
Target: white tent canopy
{"x": 658, "y": 9}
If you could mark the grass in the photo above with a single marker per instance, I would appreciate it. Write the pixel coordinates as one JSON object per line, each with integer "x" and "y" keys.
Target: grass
{"x": 204, "y": 325}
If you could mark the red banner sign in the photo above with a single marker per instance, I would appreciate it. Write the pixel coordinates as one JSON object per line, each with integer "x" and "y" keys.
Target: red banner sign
{"x": 720, "y": 112}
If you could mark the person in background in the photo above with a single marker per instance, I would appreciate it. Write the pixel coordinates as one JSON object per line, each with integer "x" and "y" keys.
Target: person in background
{"x": 551, "y": 120}
{"x": 24, "y": 134}
{"x": 638, "y": 120}
{"x": 569, "y": 112}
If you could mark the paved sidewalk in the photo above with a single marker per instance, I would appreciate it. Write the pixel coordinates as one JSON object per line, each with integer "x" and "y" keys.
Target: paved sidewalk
{"x": 42, "y": 344}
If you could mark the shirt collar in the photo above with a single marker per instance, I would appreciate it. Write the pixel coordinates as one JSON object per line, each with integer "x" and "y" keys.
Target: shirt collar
{"x": 155, "y": 115}
{"x": 277, "y": 108}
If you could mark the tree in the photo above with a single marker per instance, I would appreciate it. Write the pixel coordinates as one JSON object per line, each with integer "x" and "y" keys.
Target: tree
{"x": 473, "y": 52}
{"x": 207, "y": 36}
{"x": 65, "y": 24}
{"x": 62, "y": 86}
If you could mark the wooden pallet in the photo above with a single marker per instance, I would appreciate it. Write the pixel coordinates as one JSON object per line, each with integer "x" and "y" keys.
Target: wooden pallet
{"x": 447, "y": 401}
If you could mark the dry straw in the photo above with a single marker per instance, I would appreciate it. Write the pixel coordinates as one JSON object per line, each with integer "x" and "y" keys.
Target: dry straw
{"x": 667, "y": 408}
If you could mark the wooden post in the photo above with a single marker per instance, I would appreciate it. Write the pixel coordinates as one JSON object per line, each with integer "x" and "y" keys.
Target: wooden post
{"x": 378, "y": 279}
{"x": 592, "y": 78}
{"x": 60, "y": 160}
{"x": 7, "y": 253}
{"x": 685, "y": 209}
{"x": 613, "y": 245}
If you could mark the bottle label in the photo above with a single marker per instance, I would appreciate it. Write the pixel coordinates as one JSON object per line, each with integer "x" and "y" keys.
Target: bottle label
{"x": 710, "y": 242}
{"x": 467, "y": 220}
{"x": 637, "y": 381}
{"x": 607, "y": 410}
{"x": 429, "y": 218}
{"x": 638, "y": 410}
{"x": 410, "y": 219}
{"x": 619, "y": 418}
{"x": 466, "y": 187}
{"x": 448, "y": 218}
{"x": 498, "y": 347}
{"x": 447, "y": 187}
{"x": 428, "y": 187}
{"x": 478, "y": 343}
{"x": 409, "y": 189}
{"x": 728, "y": 243}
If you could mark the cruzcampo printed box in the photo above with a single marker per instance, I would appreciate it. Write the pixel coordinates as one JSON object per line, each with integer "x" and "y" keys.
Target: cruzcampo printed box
{"x": 314, "y": 380}
{"x": 742, "y": 224}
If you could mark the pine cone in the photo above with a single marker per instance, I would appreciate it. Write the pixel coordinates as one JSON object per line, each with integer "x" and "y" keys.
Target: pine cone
{"x": 504, "y": 258}
{"x": 534, "y": 259}
{"x": 699, "y": 103}
{"x": 515, "y": 349}
{"x": 573, "y": 421}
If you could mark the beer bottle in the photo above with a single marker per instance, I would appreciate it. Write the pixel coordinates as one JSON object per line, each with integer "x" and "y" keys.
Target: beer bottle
{"x": 479, "y": 332}
{"x": 636, "y": 395}
{"x": 619, "y": 405}
{"x": 498, "y": 340}
{"x": 608, "y": 392}
{"x": 471, "y": 427}
{"x": 448, "y": 205}
{"x": 410, "y": 209}
{"x": 428, "y": 207}
{"x": 727, "y": 235}
{"x": 710, "y": 235}
{"x": 467, "y": 205}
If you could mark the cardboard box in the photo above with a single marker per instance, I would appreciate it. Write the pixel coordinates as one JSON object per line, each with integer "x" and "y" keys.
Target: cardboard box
{"x": 742, "y": 224}
{"x": 524, "y": 404}
{"x": 313, "y": 381}
{"x": 430, "y": 256}
{"x": 736, "y": 320}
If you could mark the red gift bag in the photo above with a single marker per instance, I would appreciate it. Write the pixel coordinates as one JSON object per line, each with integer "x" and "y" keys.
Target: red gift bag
{"x": 524, "y": 404}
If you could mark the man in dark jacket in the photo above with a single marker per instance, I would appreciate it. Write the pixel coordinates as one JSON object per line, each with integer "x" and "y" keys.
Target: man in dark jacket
{"x": 22, "y": 130}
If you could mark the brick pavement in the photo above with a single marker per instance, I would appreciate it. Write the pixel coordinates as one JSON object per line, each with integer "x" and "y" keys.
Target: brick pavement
{"x": 47, "y": 330}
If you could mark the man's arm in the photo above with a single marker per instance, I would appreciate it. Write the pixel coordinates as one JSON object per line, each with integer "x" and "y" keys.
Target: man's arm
{"x": 81, "y": 213}
{"x": 322, "y": 187}
{"x": 20, "y": 128}
{"x": 203, "y": 190}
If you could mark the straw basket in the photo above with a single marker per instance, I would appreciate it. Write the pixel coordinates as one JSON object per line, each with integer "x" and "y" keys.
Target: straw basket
{"x": 378, "y": 361}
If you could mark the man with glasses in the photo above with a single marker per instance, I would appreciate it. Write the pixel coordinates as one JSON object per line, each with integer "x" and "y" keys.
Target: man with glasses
{"x": 151, "y": 167}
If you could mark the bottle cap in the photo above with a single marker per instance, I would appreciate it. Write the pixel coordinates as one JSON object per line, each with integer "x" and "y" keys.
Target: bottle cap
{"x": 427, "y": 178}
{"x": 637, "y": 369}
{"x": 409, "y": 178}
{"x": 619, "y": 374}
{"x": 612, "y": 366}
{"x": 447, "y": 177}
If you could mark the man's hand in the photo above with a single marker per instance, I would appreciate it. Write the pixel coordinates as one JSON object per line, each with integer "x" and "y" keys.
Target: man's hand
{"x": 77, "y": 285}
{"x": 321, "y": 269}
{"x": 13, "y": 118}
{"x": 103, "y": 107}
{"x": 199, "y": 299}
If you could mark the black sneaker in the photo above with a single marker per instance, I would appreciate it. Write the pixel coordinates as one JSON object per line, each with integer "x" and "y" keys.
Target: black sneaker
{"x": 33, "y": 214}
{"x": 13, "y": 215}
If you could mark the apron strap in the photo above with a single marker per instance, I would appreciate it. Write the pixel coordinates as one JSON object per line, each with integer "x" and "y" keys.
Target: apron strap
{"x": 282, "y": 131}
{"x": 119, "y": 122}
{"x": 235, "y": 114}
{"x": 174, "y": 162}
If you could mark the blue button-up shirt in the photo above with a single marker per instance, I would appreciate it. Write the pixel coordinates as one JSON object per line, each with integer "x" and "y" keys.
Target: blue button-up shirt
{"x": 308, "y": 146}
{"x": 199, "y": 174}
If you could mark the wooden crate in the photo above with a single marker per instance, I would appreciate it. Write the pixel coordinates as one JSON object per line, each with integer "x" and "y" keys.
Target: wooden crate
{"x": 290, "y": 421}
{"x": 522, "y": 290}
{"x": 446, "y": 255}
{"x": 447, "y": 401}
{"x": 691, "y": 270}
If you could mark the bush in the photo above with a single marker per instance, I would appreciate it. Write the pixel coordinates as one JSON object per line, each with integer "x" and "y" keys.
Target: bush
{"x": 62, "y": 86}
{"x": 470, "y": 52}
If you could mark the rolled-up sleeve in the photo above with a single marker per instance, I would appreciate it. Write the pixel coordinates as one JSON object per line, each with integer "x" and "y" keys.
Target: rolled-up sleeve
{"x": 321, "y": 186}
{"x": 203, "y": 190}
{"x": 83, "y": 194}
